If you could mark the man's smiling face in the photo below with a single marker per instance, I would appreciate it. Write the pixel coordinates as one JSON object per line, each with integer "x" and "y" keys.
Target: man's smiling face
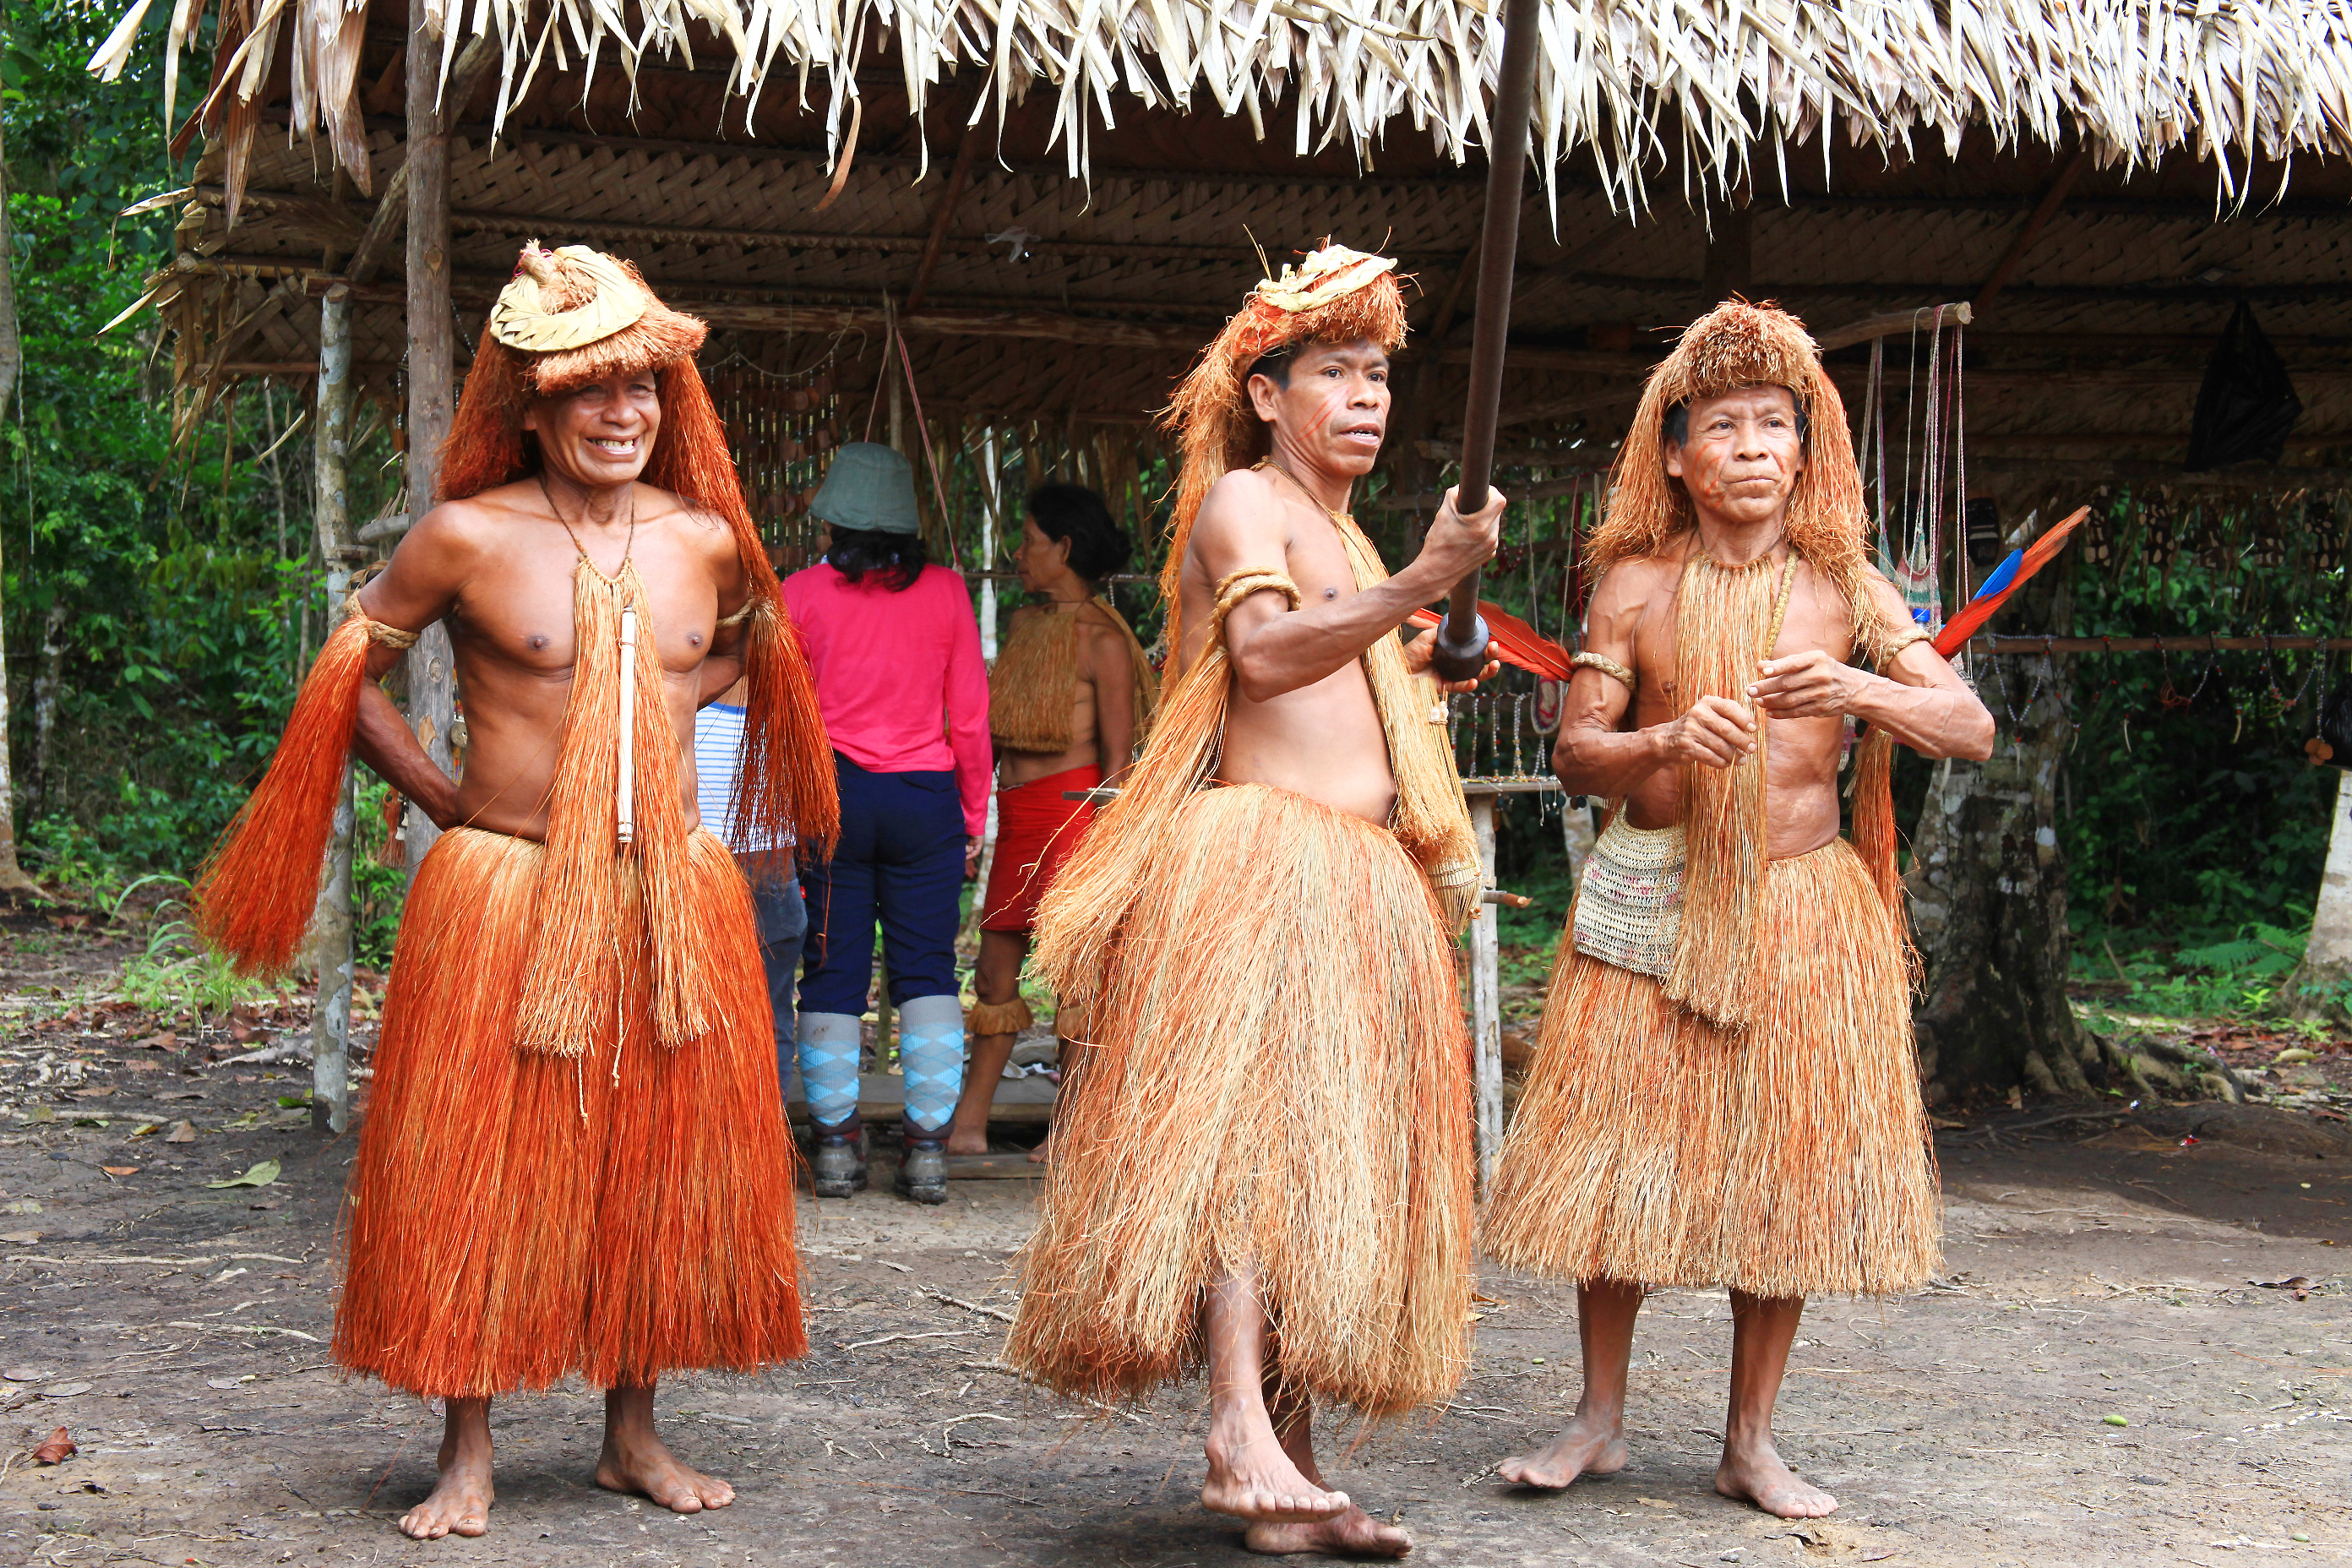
{"x": 1334, "y": 410}
{"x": 601, "y": 434}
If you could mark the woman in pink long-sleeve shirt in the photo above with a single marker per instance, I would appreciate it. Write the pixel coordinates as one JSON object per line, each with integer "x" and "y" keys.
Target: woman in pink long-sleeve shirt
{"x": 896, "y": 652}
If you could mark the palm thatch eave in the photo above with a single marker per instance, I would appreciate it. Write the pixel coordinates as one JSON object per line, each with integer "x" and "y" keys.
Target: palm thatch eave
{"x": 1708, "y": 88}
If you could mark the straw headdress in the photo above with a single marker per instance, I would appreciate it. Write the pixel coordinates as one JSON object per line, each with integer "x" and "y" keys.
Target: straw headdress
{"x": 1338, "y": 295}
{"x": 570, "y": 318}
{"x": 1736, "y": 345}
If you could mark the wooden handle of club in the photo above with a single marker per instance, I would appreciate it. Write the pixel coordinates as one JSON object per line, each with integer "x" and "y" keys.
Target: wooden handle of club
{"x": 1462, "y": 637}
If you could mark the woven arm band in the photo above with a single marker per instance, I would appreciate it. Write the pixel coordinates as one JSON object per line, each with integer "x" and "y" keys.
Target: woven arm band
{"x": 1606, "y": 666}
{"x": 378, "y": 633}
{"x": 1239, "y": 585}
{"x": 1903, "y": 639}
{"x": 750, "y": 607}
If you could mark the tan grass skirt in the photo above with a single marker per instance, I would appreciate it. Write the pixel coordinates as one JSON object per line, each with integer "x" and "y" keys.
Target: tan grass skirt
{"x": 1789, "y": 1159}
{"x": 1280, "y": 1083}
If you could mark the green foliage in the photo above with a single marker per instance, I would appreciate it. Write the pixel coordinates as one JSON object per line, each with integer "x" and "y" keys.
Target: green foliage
{"x": 176, "y": 972}
{"x": 2188, "y": 806}
{"x": 156, "y": 598}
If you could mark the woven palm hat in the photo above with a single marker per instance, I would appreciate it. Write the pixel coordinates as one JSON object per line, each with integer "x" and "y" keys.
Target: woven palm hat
{"x": 869, "y": 488}
{"x": 576, "y": 316}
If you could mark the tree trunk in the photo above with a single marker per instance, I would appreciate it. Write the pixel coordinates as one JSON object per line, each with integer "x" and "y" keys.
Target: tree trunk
{"x": 12, "y": 361}
{"x": 2317, "y": 984}
{"x": 1988, "y": 885}
{"x": 331, "y": 1020}
{"x": 431, "y": 378}
{"x": 1988, "y": 889}
{"x": 45, "y": 699}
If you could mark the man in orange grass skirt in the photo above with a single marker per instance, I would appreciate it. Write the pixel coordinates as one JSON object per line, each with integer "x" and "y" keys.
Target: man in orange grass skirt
{"x": 1262, "y": 1153}
{"x": 1725, "y": 1092}
{"x": 576, "y": 1160}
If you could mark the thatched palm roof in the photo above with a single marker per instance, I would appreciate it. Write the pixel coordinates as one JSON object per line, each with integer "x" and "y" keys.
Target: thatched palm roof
{"x": 1641, "y": 85}
{"x": 1882, "y": 158}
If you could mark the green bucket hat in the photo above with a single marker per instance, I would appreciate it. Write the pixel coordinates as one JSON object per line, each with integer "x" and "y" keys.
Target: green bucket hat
{"x": 869, "y": 488}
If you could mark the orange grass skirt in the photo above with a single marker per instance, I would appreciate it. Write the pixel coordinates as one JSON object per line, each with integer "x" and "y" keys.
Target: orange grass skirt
{"x": 1790, "y": 1159}
{"x": 1280, "y": 1083}
{"x": 514, "y": 1217}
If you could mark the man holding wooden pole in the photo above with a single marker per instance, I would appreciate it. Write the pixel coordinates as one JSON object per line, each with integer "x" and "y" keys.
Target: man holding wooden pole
{"x": 1263, "y": 1156}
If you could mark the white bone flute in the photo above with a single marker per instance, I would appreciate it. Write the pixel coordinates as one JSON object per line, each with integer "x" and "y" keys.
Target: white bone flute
{"x": 626, "y": 802}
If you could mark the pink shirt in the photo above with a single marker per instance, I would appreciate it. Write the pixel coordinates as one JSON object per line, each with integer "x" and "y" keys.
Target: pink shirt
{"x": 899, "y": 677}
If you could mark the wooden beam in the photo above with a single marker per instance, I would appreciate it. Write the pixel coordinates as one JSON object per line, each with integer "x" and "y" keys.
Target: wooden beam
{"x": 1892, "y": 324}
{"x": 966, "y": 150}
{"x": 1730, "y": 254}
{"x": 2056, "y": 645}
{"x": 2043, "y": 211}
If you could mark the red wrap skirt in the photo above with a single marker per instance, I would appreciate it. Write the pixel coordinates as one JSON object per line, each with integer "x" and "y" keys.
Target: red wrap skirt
{"x": 1036, "y": 831}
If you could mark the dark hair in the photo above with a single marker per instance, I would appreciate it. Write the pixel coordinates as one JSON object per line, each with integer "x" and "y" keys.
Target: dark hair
{"x": 899, "y": 558}
{"x": 1074, "y": 513}
{"x": 1274, "y": 365}
{"x": 1677, "y": 423}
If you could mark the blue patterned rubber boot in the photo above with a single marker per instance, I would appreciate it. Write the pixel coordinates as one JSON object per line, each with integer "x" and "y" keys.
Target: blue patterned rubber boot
{"x": 930, "y": 1061}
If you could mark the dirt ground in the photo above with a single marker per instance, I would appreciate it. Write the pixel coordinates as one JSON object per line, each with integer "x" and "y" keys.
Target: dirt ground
{"x": 2117, "y": 1365}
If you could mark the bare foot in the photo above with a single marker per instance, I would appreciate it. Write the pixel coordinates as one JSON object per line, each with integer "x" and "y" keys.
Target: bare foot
{"x": 1354, "y": 1533}
{"x": 1039, "y": 1155}
{"x": 460, "y": 1504}
{"x": 636, "y": 1460}
{"x": 1757, "y": 1475}
{"x": 968, "y": 1140}
{"x": 1587, "y": 1448}
{"x": 1251, "y": 1478}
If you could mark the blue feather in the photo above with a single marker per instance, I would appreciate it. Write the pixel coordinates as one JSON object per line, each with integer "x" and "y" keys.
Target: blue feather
{"x": 2002, "y": 576}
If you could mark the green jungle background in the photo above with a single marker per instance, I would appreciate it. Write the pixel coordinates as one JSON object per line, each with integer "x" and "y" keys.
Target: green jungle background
{"x": 160, "y": 604}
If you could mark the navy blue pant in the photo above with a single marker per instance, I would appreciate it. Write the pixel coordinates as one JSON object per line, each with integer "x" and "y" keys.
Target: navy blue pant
{"x": 901, "y": 853}
{"x": 783, "y": 921}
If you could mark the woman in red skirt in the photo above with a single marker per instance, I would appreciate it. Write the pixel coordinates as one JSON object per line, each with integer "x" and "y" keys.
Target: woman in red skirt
{"x": 1069, "y": 700}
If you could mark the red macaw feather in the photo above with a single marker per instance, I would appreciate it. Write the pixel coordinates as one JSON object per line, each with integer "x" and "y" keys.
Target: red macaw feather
{"x": 1515, "y": 641}
{"x": 1961, "y": 628}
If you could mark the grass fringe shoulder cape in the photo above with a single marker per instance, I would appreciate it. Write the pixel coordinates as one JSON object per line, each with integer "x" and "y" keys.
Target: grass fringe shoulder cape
{"x": 1276, "y": 1077}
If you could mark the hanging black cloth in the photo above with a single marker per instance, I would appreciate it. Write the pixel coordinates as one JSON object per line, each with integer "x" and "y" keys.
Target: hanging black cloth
{"x": 2247, "y": 404}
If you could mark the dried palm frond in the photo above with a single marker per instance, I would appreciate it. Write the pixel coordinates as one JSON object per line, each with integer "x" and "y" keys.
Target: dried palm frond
{"x": 2232, "y": 79}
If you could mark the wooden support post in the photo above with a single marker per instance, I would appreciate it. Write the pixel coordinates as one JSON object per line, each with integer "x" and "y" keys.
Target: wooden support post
{"x": 330, "y": 1022}
{"x": 1485, "y": 997}
{"x": 432, "y": 376}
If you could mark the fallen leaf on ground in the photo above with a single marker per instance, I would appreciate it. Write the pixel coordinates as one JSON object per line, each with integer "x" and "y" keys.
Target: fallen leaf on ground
{"x": 260, "y": 1175}
{"x": 20, "y": 1238}
{"x": 56, "y": 1450}
{"x": 2297, "y": 1283}
{"x": 26, "y": 1373}
{"x": 230, "y": 1382}
{"x": 64, "y": 1390}
{"x": 120, "y": 1170}
{"x": 168, "y": 1040}
{"x": 93, "y": 1093}
{"x": 182, "y": 1133}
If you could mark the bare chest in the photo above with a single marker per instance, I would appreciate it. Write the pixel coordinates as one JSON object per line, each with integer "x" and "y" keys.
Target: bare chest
{"x": 1816, "y": 619}
{"x": 518, "y": 606}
